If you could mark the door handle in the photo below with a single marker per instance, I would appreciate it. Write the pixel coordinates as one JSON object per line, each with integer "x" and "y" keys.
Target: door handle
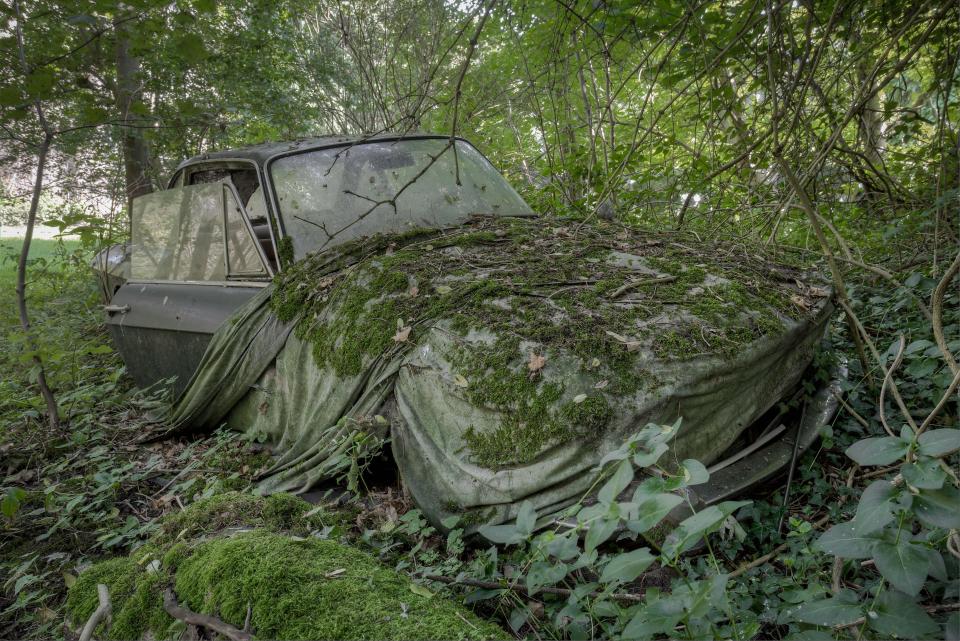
{"x": 114, "y": 309}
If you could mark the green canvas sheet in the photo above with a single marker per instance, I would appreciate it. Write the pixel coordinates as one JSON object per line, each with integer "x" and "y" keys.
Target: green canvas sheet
{"x": 425, "y": 339}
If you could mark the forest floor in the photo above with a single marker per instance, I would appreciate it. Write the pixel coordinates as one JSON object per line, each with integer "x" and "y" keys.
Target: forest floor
{"x": 96, "y": 489}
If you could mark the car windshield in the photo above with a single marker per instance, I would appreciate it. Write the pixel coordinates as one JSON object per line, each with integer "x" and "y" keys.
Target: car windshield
{"x": 330, "y": 196}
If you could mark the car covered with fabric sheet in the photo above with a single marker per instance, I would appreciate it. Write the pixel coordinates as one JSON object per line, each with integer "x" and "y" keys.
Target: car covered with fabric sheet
{"x": 339, "y": 295}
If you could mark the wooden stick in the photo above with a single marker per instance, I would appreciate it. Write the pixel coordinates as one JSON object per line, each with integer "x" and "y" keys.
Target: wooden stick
{"x": 186, "y": 615}
{"x": 102, "y": 612}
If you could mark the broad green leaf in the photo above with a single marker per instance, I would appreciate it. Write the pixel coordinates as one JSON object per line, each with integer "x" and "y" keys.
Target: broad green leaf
{"x": 836, "y": 610}
{"x": 875, "y": 509}
{"x": 621, "y": 478}
{"x": 895, "y": 614}
{"x": 938, "y": 443}
{"x": 507, "y": 534}
{"x": 694, "y": 527}
{"x": 903, "y": 564}
{"x": 191, "y": 47}
{"x": 652, "y": 511}
{"x": 926, "y": 474}
{"x": 694, "y": 472}
{"x": 660, "y": 617}
{"x": 627, "y": 567}
{"x": 600, "y": 530}
{"x": 878, "y": 451}
{"x": 646, "y": 458}
{"x": 526, "y": 518}
{"x": 420, "y": 590}
{"x": 564, "y": 546}
{"x": 10, "y": 504}
{"x": 938, "y": 508}
{"x": 845, "y": 540}
{"x": 10, "y": 96}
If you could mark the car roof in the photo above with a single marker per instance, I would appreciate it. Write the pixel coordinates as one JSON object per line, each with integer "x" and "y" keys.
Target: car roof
{"x": 260, "y": 153}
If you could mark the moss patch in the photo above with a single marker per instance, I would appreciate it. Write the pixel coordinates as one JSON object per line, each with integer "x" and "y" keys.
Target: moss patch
{"x": 610, "y": 298}
{"x": 298, "y": 588}
{"x": 314, "y": 589}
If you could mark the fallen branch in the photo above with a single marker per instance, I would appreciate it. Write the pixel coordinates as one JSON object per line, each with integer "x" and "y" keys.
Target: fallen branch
{"x": 493, "y": 585}
{"x": 190, "y": 617}
{"x": 103, "y": 611}
{"x": 619, "y": 291}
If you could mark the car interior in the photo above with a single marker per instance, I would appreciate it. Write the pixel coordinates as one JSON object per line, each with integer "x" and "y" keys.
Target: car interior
{"x": 244, "y": 180}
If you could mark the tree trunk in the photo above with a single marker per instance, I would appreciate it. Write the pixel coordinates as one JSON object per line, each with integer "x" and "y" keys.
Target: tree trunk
{"x": 53, "y": 414}
{"x": 136, "y": 154}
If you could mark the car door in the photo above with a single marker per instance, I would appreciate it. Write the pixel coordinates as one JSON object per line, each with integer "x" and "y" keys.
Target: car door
{"x": 194, "y": 259}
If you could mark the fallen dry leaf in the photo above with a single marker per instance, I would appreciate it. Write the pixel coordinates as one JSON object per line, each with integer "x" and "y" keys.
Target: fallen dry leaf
{"x": 537, "y": 361}
{"x": 402, "y": 334}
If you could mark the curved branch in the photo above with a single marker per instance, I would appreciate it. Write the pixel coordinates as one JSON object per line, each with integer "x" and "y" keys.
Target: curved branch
{"x": 102, "y": 612}
{"x": 186, "y": 615}
{"x": 936, "y": 305}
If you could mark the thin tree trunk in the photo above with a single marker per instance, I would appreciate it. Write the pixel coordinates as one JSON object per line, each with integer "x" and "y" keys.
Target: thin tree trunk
{"x": 136, "y": 154}
{"x": 53, "y": 413}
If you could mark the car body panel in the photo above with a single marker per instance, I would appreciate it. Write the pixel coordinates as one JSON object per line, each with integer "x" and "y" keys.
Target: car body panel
{"x": 162, "y": 329}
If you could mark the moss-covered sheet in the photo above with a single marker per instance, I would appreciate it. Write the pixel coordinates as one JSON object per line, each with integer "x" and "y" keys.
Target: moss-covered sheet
{"x": 504, "y": 358}
{"x": 235, "y": 551}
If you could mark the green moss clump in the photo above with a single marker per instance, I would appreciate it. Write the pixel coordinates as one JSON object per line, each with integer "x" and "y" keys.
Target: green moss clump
{"x": 285, "y": 251}
{"x": 527, "y": 282}
{"x": 297, "y": 588}
{"x": 278, "y": 512}
{"x": 315, "y": 589}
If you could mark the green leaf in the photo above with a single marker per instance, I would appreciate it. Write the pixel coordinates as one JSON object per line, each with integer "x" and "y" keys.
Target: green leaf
{"x": 694, "y": 527}
{"x": 652, "y": 511}
{"x": 10, "y": 96}
{"x": 838, "y": 610}
{"x": 875, "y": 509}
{"x": 646, "y": 458}
{"x": 419, "y": 590}
{"x": 694, "y": 472}
{"x": 526, "y": 518}
{"x": 926, "y": 474}
{"x": 40, "y": 83}
{"x": 10, "y": 504}
{"x": 938, "y": 443}
{"x": 660, "y": 617}
{"x": 846, "y": 541}
{"x": 903, "y": 564}
{"x": 191, "y": 47}
{"x": 895, "y": 614}
{"x": 621, "y": 478}
{"x": 878, "y": 451}
{"x": 627, "y": 567}
{"x": 938, "y": 508}
{"x": 507, "y": 534}
{"x": 600, "y": 530}
{"x": 450, "y": 522}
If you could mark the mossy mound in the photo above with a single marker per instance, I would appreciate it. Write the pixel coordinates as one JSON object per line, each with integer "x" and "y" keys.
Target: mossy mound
{"x": 295, "y": 587}
{"x": 515, "y": 290}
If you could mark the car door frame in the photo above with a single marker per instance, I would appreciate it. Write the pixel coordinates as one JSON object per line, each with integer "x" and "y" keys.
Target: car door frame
{"x": 162, "y": 327}
{"x": 273, "y": 218}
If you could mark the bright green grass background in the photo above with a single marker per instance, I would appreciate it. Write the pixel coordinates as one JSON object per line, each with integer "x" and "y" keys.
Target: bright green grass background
{"x": 39, "y": 248}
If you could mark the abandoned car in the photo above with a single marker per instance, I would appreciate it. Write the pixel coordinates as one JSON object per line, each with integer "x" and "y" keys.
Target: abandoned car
{"x": 334, "y": 294}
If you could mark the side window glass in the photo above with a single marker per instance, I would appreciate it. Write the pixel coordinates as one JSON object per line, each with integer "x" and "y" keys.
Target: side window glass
{"x": 243, "y": 259}
{"x": 178, "y": 234}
